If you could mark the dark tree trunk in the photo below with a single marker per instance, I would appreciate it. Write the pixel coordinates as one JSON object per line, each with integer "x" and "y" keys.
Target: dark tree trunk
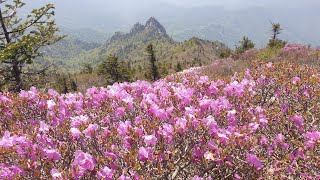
{"x": 16, "y": 70}
{"x": 5, "y": 31}
{"x": 16, "y": 74}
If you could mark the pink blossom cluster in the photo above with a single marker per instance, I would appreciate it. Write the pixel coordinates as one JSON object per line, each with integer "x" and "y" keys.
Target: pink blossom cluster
{"x": 259, "y": 124}
{"x": 293, "y": 47}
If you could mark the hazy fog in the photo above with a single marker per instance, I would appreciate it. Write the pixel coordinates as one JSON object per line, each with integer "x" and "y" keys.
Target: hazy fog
{"x": 225, "y": 20}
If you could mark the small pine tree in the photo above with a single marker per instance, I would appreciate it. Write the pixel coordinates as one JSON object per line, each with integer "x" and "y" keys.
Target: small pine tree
{"x": 153, "y": 73}
{"x": 225, "y": 52}
{"x": 276, "y": 30}
{"x": 245, "y": 44}
{"x": 73, "y": 85}
{"x": 274, "y": 42}
{"x": 61, "y": 83}
{"x": 178, "y": 67}
{"x": 114, "y": 70}
{"x": 86, "y": 69}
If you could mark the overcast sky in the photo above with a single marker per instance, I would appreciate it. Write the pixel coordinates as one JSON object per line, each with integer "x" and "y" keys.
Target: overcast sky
{"x": 179, "y": 16}
{"x": 181, "y": 3}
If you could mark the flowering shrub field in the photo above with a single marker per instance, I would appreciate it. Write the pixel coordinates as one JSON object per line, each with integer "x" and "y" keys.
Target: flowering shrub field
{"x": 261, "y": 124}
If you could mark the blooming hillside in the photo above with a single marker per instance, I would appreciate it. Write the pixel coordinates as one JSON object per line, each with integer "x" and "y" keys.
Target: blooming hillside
{"x": 293, "y": 53}
{"x": 262, "y": 123}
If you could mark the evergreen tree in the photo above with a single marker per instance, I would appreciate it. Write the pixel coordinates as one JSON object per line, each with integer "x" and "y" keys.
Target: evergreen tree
{"x": 245, "y": 44}
{"x": 274, "y": 41}
{"x": 153, "y": 73}
{"x": 224, "y": 52}
{"x": 61, "y": 83}
{"x": 276, "y": 30}
{"x": 20, "y": 40}
{"x": 178, "y": 67}
{"x": 114, "y": 70}
{"x": 87, "y": 69}
{"x": 163, "y": 69}
{"x": 74, "y": 86}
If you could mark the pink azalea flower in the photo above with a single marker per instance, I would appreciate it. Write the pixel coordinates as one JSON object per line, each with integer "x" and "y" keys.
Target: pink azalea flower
{"x": 52, "y": 93}
{"x": 144, "y": 153}
{"x": 52, "y": 154}
{"x": 254, "y": 161}
{"x": 166, "y": 131}
{"x": 295, "y": 80}
{"x": 150, "y": 140}
{"x": 213, "y": 89}
{"x": 223, "y": 138}
{"x": 111, "y": 155}
{"x": 280, "y": 137}
{"x": 209, "y": 156}
{"x": 309, "y": 144}
{"x": 298, "y": 120}
{"x": 124, "y": 177}
{"x": 84, "y": 161}
{"x": 7, "y": 141}
{"x": 123, "y": 128}
{"x": 232, "y": 118}
{"x": 181, "y": 123}
{"x": 75, "y": 132}
{"x": 197, "y": 178}
{"x": 77, "y": 121}
{"x": 285, "y": 146}
{"x": 205, "y": 104}
{"x": 120, "y": 112}
{"x": 43, "y": 127}
{"x": 106, "y": 173}
{"x": 55, "y": 174}
{"x": 269, "y": 65}
{"x": 90, "y": 130}
{"x": 237, "y": 176}
{"x": 51, "y": 104}
{"x": 10, "y": 172}
{"x": 312, "y": 136}
{"x": 264, "y": 140}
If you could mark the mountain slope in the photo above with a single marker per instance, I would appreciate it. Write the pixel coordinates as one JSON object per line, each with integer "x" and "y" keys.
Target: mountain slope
{"x": 130, "y": 47}
{"x": 195, "y": 52}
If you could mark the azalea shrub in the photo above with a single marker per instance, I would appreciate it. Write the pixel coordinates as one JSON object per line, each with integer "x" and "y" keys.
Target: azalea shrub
{"x": 261, "y": 124}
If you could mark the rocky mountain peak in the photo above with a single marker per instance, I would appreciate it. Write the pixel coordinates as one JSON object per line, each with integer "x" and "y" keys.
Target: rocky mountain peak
{"x": 137, "y": 28}
{"x": 153, "y": 25}
{"x": 151, "y": 30}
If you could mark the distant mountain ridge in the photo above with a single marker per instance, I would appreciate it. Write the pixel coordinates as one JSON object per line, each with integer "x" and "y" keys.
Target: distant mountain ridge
{"x": 130, "y": 47}
{"x": 151, "y": 29}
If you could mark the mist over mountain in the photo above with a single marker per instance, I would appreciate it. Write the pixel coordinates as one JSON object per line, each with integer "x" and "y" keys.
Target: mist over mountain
{"x": 226, "y": 21}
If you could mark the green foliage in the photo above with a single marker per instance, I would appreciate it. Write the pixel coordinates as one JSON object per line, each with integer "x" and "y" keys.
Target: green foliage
{"x": 64, "y": 83}
{"x": 225, "y": 53}
{"x": 21, "y": 39}
{"x": 73, "y": 85}
{"x": 153, "y": 73}
{"x": 269, "y": 53}
{"x": 131, "y": 49}
{"x": 178, "y": 67}
{"x": 245, "y": 44}
{"x": 163, "y": 69}
{"x": 274, "y": 42}
{"x": 114, "y": 70}
{"x": 87, "y": 68}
